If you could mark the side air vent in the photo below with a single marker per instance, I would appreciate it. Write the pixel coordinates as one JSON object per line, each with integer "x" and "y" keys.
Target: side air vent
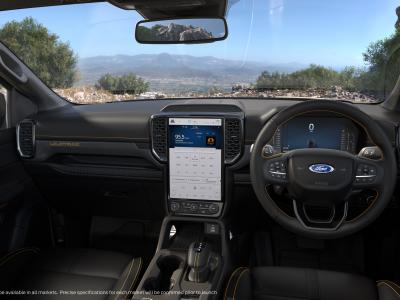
{"x": 159, "y": 137}
{"x": 26, "y": 138}
{"x": 233, "y": 139}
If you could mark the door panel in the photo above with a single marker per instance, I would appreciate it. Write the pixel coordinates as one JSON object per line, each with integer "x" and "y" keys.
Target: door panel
{"x": 23, "y": 214}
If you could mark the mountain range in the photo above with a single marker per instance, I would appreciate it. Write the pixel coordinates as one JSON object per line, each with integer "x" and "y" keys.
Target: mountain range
{"x": 167, "y": 72}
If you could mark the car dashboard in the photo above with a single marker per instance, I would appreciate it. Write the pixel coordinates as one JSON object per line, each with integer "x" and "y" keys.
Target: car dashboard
{"x": 186, "y": 157}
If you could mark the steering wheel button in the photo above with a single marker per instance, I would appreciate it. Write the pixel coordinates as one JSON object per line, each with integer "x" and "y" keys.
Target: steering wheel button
{"x": 268, "y": 150}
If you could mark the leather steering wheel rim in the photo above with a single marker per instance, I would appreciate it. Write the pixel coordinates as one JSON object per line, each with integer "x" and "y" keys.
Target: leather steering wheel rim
{"x": 375, "y": 134}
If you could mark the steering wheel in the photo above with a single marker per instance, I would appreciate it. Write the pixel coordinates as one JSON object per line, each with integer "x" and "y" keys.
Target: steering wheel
{"x": 316, "y": 178}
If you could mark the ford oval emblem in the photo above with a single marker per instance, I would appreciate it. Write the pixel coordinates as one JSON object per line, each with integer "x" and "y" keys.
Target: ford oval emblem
{"x": 321, "y": 168}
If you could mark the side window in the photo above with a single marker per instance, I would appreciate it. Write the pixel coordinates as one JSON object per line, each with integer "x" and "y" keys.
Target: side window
{"x": 3, "y": 107}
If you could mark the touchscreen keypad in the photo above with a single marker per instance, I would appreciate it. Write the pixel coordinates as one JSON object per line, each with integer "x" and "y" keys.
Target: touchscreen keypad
{"x": 195, "y": 173}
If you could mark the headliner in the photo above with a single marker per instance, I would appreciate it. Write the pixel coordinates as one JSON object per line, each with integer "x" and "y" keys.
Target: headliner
{"x": 149, "y": 9}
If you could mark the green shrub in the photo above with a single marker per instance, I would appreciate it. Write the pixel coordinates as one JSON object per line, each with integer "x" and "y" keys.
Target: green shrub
{"x": 125, "y": 84}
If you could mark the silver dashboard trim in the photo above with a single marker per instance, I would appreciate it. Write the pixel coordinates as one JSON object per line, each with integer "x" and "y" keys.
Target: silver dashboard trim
{"x": 33, "y": 138}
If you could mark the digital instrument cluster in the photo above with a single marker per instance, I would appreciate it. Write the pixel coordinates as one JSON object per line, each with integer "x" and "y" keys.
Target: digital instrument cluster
{"x": 316, "y": 132}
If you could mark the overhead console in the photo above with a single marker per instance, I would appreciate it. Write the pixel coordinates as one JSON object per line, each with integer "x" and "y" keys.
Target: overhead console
{"x": 196, "y": 148}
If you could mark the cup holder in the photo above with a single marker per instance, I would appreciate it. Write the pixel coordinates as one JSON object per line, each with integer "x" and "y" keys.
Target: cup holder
{"x": 161, "y": 281}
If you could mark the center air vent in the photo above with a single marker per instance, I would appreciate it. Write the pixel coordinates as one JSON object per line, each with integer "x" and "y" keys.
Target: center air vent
{"x": 26, "y": 138}
{"x": 159, "y": 137}
{"x": 233, "y": 139}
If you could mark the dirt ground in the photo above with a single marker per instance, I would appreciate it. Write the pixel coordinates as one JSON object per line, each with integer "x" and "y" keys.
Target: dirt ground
{"x": 89, "y": 95}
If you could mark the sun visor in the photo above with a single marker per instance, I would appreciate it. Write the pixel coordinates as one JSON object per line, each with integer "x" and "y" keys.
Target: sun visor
{"x": 158, "y": 9}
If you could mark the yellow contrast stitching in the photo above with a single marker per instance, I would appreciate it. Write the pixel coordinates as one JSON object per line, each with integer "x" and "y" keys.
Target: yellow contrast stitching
{"x": 136, "y": 275}
{"x": 126, "y": 278}
{"x": 229, "y": 281}
{"x": 384, "y": 283}
{"x": 237, "y": 283}
{"x": 389, "y": 282}
{"x": 10, "y": 256}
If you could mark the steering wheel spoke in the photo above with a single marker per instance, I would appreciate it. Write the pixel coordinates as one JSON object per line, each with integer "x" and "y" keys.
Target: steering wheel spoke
{"x": 337, "y": 215}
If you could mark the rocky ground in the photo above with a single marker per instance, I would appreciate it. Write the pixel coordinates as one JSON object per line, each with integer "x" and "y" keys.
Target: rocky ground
{"x": 89, "y": 95}
{"x": 334, "y": 93}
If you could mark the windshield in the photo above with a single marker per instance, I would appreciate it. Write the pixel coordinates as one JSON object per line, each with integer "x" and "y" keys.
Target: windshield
{"x": 87, "y": 53}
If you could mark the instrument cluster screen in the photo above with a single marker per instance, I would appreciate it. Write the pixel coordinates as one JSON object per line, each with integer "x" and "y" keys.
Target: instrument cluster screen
{"x": 195, "y": 158}
{"x": 316, "y": 132}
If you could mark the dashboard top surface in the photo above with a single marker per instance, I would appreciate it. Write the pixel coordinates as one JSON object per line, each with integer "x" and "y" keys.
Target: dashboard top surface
{"x": 129, "y": 121}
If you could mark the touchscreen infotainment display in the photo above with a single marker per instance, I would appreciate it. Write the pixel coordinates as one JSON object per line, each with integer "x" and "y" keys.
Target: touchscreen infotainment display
{"x": 195, "y": 154}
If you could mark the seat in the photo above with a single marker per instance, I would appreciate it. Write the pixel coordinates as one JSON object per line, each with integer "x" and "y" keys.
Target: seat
{"x": 69, "y": 273}
{"x": 279, "y": 283}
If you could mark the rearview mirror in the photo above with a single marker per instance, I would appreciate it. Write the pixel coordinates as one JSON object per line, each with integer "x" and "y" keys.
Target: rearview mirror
{"x": 181, "y": 31}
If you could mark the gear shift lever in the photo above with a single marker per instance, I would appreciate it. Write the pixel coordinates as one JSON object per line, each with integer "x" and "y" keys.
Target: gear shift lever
{"x": 199, "y": 255}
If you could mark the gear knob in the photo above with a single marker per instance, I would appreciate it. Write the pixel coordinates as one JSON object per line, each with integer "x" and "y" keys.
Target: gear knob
{"x": 199, "y": 255}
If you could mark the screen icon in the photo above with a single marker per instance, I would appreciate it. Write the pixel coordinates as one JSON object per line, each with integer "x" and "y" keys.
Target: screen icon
{"x": 210, "y": 140}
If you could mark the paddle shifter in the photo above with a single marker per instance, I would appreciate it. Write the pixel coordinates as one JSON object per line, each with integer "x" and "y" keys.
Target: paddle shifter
{"x": 199, "y": 255}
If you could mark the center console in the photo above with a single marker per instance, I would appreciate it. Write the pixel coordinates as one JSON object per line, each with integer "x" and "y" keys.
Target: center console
{"x": 195, "y": 144}
{"x": 191, "y": 261}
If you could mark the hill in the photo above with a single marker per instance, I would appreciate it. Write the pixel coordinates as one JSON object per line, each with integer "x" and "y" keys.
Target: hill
{"x": 174, "y": 73}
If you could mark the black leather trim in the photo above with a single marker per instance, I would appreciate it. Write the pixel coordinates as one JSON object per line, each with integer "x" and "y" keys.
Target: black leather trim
{"x": 128, "y": 279}
{"x": 280, "y": 283}
{"x": 13, "y": 263}
{"x": 9, "y": 257}
{"x": 388, "y": 290}
{"x": 78, "y": 270}
{"x": 233, "y": 283}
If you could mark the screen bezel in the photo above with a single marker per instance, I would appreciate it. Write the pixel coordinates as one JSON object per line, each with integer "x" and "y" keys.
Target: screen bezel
{"x": 222, "y": 158}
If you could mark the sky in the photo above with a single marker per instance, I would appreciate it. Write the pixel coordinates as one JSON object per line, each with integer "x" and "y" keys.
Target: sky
{"x": 333, "y": 33}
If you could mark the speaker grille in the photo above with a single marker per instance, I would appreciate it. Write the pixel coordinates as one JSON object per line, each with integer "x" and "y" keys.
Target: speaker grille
{"x": 26, "y": 138}
{"x": 159, "y": 137}
{"x": 233, "y": 139}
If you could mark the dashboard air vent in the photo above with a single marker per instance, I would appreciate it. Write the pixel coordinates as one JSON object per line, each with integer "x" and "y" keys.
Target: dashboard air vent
{"x": 26, "y": 138}
{"x": 233, "y": 139}
{"x": 159, "y": 138}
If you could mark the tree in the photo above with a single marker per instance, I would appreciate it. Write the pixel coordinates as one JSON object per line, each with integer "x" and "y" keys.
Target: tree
{"x": 314, "y": 76}
{"x": 381, "y": 73}
{"x": 383, "y": 60}
{"x": 129, "y": 83}
{"x": 214, "y": 90}
{"x": 51, "y": 59}
{"x": 107, "y": 82}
